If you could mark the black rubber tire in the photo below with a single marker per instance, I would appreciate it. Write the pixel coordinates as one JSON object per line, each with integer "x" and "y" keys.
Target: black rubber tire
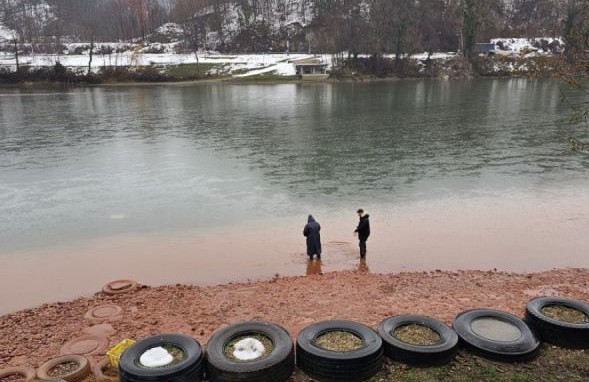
{"x": 275, "y": 367}
{"x": 190, "y": 369}
{"x": 352, "y": 366}
{"x": 525, "y": 348}
{"x": 416, "y": 355}
{"x": 561, "y": 333}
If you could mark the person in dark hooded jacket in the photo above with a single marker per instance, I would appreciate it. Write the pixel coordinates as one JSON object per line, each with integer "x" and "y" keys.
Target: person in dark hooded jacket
{"x": 363, "y": 231}
{"x": 311, "y": 232}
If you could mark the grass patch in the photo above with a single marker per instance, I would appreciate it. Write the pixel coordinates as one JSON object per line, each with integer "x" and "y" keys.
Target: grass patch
{"x": 553, "y": 364}
{"x": 191, "y": 71}
{"x": 339, "y": 340}
{"x": 267, "y": 77}
{"x": 566, "y": 314}
{"x": 416, "y": 334}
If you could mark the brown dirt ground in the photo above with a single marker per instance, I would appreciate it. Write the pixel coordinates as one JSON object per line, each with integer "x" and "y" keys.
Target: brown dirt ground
{"x": 32, "y": 336}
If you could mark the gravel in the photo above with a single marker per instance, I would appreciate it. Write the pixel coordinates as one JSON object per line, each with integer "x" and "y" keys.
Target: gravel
{"x": 33, "y": 336}
{"x": 416, "y": 334}
{"x": 566, "y": 314}
{"x": 339, "y": 341}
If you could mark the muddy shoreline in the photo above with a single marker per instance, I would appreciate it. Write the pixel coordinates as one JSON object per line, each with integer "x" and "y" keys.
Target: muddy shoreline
{"x": 32, "y": 336}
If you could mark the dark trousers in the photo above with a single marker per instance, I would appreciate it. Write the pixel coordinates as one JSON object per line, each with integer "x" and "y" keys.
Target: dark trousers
{"x": 362, "y": 248}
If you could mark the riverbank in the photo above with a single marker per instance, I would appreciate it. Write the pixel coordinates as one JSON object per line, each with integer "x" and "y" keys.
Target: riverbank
{"x": 31, "y": 336}
{"x": 281, "y": 71}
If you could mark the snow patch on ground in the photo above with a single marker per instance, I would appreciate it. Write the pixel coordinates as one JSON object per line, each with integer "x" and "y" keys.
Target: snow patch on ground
{"x": 245, "y": 64}
{"x": 543, "y": 45}
{"x": 5, "y": 33}
{"x": 281, "y": 69}
{"x": 126, "y": 54}
{"x": 277, "y": 13}
{"x": 170, "y": 29}
{"x": 434, "y": 56}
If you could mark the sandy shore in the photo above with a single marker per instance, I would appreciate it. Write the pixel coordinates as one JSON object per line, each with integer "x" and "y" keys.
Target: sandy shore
{"x": 30, "y": 337}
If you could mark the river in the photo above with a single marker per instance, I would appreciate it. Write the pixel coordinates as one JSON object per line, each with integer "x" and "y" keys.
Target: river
{"x": 212, "y": 183}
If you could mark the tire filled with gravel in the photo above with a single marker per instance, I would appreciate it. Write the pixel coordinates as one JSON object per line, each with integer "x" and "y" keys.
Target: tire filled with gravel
{"x": 339, "y": 351}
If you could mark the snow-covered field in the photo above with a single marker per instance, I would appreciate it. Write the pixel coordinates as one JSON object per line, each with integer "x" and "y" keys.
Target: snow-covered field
{"x": 238, "y": 65}
{"x": 241, "y": 65}
{"x": 244, "y": 64}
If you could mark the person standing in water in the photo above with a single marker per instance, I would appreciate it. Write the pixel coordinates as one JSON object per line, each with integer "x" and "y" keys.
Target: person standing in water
{"x": 311, "y": 232}
{"x": 363, "y": 231}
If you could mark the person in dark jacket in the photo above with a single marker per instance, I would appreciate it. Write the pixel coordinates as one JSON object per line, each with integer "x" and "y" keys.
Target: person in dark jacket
{"x": 311, "y": 232}
{"x": 363, "y": 231}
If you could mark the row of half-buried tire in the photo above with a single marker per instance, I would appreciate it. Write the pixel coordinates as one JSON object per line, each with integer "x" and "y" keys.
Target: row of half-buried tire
{"x": 364, "y": 362}
{"x": 358, "y": 365}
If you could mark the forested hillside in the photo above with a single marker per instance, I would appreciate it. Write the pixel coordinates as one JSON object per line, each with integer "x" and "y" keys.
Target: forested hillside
{"x": 355, "y": 26}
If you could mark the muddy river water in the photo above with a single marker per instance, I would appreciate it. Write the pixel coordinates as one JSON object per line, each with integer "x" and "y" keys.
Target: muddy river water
{"x": 212, "y": 183}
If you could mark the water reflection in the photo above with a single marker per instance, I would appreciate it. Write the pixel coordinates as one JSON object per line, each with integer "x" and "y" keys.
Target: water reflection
{"x": 314, "y": 267}
{"x": 166, "y": 156}
{"x": 363, "y": 266}
{"x": 213, "y": 178}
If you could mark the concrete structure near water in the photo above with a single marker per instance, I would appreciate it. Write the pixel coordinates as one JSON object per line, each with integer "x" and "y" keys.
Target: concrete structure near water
{"x": 311, "y": 69}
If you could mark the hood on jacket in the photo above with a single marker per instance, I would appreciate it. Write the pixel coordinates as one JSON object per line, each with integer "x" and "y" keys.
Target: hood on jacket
{"x": 310, "y": 219}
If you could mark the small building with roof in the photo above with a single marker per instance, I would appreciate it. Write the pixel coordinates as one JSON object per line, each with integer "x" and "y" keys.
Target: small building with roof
{"x": 311, "y": 69}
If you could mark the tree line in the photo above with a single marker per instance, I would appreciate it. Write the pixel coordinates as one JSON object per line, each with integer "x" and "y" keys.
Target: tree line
{"x": 356, "y": 26}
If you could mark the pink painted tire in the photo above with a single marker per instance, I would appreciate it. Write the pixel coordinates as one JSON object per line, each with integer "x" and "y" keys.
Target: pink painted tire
{"x": 26, "y": 371}
{"x": 120, "y": 287}
{"x": 103, "y": 313}
{"x": 86, "y": 345}
{"x": 81, "y": 372}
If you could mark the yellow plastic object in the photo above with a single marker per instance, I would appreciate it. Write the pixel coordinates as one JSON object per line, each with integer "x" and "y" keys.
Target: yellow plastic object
{"x": 114, "y": 354}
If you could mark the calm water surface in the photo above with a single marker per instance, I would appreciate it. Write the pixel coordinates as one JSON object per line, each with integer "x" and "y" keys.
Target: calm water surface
{"x": 212, "y": 183}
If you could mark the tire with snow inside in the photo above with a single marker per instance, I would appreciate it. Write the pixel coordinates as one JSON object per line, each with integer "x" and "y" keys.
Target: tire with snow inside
{"x": 419, "y": 355}
{"x": 349, "y": 366}
{"x": 512, "y": 340}
{"x": 276, "y": 366}
{"x": 189, "y": 369}
{"x": 557, "y": 332}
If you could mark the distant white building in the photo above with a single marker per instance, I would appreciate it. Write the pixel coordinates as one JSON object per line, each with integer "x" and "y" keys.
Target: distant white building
{"x": 310, "y": 69}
